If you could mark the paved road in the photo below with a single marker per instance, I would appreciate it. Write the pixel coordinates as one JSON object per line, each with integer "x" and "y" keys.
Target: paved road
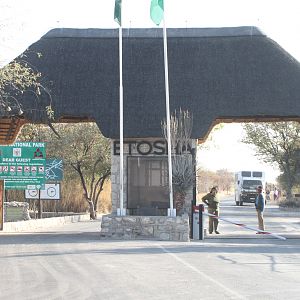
{"x": 276, "y": 221}
{"x": 71, "y": 262}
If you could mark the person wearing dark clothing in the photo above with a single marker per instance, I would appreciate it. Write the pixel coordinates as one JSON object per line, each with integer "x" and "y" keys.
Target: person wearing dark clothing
{"x": 213, "y": 207}
{"x": 260, "y": 206}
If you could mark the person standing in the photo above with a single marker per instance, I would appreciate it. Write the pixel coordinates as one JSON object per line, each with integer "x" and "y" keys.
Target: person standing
{"x": 275, "y": 195}
{"x": 267, "y": 194}
{"x": 213, "y": 207}
{"x": 260, "y": 206}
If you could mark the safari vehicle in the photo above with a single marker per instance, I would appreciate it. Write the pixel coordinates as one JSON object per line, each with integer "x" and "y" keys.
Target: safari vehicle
{"x": 246, "y": 183}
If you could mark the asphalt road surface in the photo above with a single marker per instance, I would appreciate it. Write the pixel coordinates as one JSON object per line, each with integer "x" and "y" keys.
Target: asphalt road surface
{"x": 286, "y": 223}
{"x": 71, "y": 262}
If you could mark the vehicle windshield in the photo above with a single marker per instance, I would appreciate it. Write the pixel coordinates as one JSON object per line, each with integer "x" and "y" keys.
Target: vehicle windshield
{"x": 251, "y": 184}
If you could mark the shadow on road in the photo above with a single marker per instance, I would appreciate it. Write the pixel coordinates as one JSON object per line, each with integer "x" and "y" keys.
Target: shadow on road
{"x": 118, "y": 247}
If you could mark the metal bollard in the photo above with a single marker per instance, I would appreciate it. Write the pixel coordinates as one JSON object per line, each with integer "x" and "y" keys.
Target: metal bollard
{"x": 201, "y": 227}
{"x": 191, "y": 220}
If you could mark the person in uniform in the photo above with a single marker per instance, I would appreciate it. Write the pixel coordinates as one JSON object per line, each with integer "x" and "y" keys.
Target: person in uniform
{"x": 213, "y": 207}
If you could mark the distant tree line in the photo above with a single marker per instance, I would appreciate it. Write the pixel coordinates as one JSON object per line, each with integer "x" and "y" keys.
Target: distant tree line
{"x": 222, "y": 178}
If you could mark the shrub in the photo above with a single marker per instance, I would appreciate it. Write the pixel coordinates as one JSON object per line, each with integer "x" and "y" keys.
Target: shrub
{"x": 290, "y": 203}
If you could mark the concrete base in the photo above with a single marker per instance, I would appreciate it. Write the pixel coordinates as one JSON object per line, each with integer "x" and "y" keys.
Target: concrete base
{"x": 145, "y": 227}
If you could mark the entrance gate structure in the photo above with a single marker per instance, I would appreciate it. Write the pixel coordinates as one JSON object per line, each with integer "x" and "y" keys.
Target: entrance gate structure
{"x": 218, "y": 74}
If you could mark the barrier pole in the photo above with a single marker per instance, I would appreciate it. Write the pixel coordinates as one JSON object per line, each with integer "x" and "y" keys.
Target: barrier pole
{"x": 247, "y": 227}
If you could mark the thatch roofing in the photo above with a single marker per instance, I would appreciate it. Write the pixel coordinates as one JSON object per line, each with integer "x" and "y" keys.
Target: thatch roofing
{"x": 222, "y": 73}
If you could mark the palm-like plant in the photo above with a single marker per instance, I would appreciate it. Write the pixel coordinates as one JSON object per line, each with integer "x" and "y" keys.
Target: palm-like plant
{"x": 183, "y": 178}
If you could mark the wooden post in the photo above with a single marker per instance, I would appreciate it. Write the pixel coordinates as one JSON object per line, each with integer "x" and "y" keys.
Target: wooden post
{"x": 40, "y": 212}
{"x": 1, "y": 204}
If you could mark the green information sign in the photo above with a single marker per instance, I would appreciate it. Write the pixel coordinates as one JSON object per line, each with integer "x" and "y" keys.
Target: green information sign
{"x": 22, "y": 165}
{"x": 24, "y": 184}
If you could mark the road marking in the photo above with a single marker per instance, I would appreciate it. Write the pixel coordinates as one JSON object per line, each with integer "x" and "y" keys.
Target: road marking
{"x": 228, "y": 290}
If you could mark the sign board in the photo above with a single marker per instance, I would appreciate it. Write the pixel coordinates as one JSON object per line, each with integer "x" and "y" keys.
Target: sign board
{"x": 54, "y": 169}
{"x": 22, "y": 165}
{"x": 24, "y": 183}
{"x": 51, "y": 191}
{"x": 1, "y": 204}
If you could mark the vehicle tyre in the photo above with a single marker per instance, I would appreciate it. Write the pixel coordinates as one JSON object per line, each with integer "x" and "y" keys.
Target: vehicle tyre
{"x": 236, "y": 202}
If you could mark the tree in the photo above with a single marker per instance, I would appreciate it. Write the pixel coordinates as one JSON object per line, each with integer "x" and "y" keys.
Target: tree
{"x": 206, "y": 179}
{"x": 17, "y": 78}
{"x": 84, "y": 150}
{"x": 183, "y": 175}
{"x": 88, "y": 153}
{"x": 277, "y": 143}
{"x": 221, "y": 178}
{"x": 225, "y": 180}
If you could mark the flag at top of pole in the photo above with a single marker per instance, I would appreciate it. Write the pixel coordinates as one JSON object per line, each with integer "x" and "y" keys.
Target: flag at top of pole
{"x": 118, "y": 14}
{"x": 157, "y": 11}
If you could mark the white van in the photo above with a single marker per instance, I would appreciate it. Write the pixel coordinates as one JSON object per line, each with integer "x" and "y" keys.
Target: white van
{"x": 246, "y": 183}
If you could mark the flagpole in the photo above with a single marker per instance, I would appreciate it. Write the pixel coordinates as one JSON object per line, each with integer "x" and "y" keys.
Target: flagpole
{"x": 171, "y": 212}
{"x": 118, "y": 17}
{"x": 121, "y": 124}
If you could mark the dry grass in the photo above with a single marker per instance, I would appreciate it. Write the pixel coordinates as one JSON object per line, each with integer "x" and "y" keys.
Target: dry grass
{"x": 72, "y": 199}
{"x": 104, "y": 205}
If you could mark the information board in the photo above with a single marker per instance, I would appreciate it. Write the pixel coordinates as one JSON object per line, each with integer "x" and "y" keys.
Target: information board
{"x": 22, "y": 165}
{"x": 51, "y": 191}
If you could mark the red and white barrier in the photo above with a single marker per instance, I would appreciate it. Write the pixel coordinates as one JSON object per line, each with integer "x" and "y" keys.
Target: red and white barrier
{"x": 243, "y": 225}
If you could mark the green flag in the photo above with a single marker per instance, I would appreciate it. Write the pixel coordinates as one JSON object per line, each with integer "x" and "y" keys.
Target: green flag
{"x": 157, "y": 11}
{"x": 118, "y": 11}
